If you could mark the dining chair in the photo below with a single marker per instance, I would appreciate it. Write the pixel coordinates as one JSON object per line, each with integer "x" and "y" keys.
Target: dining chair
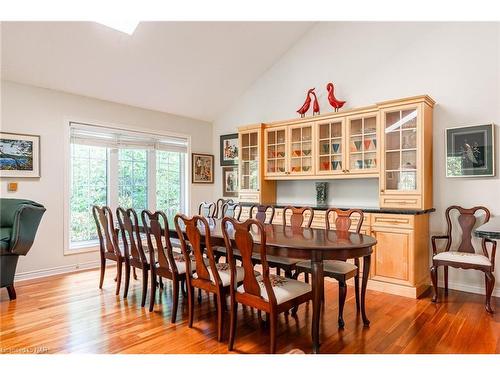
{"x": 229, "y": 209}
{"x": 135, "y": 255}
{"x": 261, "y": 213}
{"x": 218, "y": 206}
{"x": 164, "y": 261}
{"x": 208, "y": 275}
{"x": 272, "y": 294}
{"x": 337, "y": 269}
{"x": 296, "y": 221}
{"x": 108, "y": 243}
{"x": 464, "y": 255}
{"x": 207, "y": 209}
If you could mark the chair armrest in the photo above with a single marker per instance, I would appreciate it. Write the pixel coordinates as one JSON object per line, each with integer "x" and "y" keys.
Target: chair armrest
{"x": 493, "y": 252}
{"x": 26, "y": 221}
{"x": 433, "y": 241}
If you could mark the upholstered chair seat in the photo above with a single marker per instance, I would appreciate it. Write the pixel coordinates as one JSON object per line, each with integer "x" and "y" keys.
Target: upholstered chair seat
{"x": 461, "y": 257}
{"x": 284, "y": 289}
{"x": 224, "y": 271}
{"x": 332, "y": 268}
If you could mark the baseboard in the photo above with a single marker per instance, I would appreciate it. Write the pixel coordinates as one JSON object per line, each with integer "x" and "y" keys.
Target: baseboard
{"x": 471, "y": 288}
{"x": 56, "y": 270}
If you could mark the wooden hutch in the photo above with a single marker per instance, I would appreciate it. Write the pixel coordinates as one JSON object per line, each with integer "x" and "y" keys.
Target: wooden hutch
{"x": 391, "y": 141}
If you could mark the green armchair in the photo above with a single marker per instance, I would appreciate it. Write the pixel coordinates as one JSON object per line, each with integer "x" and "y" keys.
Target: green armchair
{"x": 19, "y": 220}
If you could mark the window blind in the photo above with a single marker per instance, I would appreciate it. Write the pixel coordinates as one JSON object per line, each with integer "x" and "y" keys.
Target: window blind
{"x": 117, "y": 138}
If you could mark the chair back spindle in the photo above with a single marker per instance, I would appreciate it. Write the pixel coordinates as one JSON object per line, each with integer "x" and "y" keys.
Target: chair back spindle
{"x": 194, "y": 227}
{"x": 467, "y": 220}
{"x": 157, "y": 234}
{"x": 108, "y": 236}
{"x": 218, "y": 207}
{"x": 343, "y": 220}
{"x": 207, "y": 209}
{"x": 297, "y": 217}
{"x": 131, "y": 238}
{"x": 261, "y": 213}
{"x": 241, "y": 234}
{"x": 230, "y": 209}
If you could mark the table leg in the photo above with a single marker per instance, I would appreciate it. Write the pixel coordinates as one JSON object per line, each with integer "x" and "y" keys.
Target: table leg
{"x": 317, "y": 290}
{"x": 366, "y": 272}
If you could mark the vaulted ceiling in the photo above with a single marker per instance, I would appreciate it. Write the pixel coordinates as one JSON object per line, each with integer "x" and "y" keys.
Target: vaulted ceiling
{"x": 194, "y": 69}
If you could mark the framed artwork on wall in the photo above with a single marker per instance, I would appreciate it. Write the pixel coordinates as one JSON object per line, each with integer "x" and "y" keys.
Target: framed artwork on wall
{"x": 470, "y": 151}
{"x": 19, "y": 155}
{"x": 229, "y": 149}
{"x": 202, "y": 168}
{"x": 230, "y": 181}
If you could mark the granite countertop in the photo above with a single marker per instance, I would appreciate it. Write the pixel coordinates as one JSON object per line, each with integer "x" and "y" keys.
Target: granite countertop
{"x": 490, "y": 230}
{"x": 373, "y": 210}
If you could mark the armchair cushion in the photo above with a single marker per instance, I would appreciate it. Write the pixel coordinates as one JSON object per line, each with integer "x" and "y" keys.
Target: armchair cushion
{"x": 462, "y": 257}
{"x": 5, "y": 236}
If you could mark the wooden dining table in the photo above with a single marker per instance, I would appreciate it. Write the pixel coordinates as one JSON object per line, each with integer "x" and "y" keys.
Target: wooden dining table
{"x": 316, "y": 245}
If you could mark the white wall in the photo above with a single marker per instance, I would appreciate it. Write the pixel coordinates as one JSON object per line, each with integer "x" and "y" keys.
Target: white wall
{"x": 457, "y": 64}
{"x": 31, "y": 110}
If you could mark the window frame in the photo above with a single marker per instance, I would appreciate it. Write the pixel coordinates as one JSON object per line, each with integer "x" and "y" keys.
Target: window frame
{"x": 112, "y": 178}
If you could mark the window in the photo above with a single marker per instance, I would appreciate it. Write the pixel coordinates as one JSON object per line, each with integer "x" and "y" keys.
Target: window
{"x": 169, "y": 184}
{"x": 133, "y": 179}
{"x": 89, "y": 186}
{"x": 121, "y": 168}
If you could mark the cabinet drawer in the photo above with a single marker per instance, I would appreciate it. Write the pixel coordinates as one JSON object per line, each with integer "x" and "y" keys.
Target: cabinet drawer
{"x": 392, "y": 221}
{"x": 398, "y": 201}
{"x": 249, "y": 197}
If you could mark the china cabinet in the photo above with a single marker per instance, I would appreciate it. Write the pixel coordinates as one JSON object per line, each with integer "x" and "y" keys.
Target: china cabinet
{"x": 406, "y": 174}
{"x": 330, "y": 147}
{"x": 253, "y": 188}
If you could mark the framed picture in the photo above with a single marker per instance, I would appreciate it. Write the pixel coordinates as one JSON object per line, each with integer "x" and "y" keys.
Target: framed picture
{"x": 19, "y": 155}
{"x": 230, "y": 181}
{"x": 229, "y": 149}
{"x": 202, "y": 168}
{"x": 470, "y": 151}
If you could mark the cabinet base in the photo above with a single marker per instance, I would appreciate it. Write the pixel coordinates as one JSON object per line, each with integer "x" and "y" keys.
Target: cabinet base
{"x": 400, "y": 290}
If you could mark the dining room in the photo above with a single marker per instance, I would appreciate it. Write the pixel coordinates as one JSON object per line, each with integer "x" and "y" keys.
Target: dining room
{"x": 294, "y": 186}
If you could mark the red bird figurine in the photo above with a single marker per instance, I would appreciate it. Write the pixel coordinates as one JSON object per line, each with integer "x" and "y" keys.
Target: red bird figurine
{"x": 315, "y": 105}
{"x": 305, "y": 107}
{"x": 336, "y": 104}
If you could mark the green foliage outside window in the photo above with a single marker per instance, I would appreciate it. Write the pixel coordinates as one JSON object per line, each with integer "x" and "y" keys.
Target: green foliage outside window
{"x": 168, "y": 182}
{"x": 133, "y": 179}
{"x": 88, "y": 188}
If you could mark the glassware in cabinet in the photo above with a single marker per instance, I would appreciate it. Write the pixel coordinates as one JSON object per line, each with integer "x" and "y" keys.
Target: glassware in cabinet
{"x": 275, "y": 153}
{"x": 362, "y": 144}
{"x": 329, "y": 142}
{"x": 301, "y": 149}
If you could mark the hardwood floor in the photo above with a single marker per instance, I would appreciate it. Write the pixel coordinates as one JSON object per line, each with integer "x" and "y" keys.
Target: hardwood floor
{"x": 69, "y": 314}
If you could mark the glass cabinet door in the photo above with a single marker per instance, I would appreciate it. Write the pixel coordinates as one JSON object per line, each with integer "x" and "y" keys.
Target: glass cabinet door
{"x": 301, "y": 155}
{"x": 362, "y": 143}
{"x": 276, "y": 151}
{"x": 400, "y": 137}
{"x": 330, "y": 147}
{"x": 249, "y": 169}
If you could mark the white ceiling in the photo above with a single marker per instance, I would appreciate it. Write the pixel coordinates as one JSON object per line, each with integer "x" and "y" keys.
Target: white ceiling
{"x": 194, "y": 69}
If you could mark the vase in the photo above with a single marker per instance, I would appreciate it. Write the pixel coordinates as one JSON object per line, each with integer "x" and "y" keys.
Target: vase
{"x": 321, "y": 193}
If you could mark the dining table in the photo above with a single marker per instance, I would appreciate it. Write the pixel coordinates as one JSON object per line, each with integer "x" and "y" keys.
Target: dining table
{"x": 314, "y": 244}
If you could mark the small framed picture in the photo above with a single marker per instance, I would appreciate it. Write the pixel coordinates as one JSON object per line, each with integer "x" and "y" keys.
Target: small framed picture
{"x": 19, "y": 155}
{"x": 202, "y": 168}
{"x": 470, "y": 151}
{"x": 229, "y": 149}
{"x": 230, "y": 181}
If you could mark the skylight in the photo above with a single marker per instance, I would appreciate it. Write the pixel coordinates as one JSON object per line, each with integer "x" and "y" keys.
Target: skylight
{"x": 123, "y": 25}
